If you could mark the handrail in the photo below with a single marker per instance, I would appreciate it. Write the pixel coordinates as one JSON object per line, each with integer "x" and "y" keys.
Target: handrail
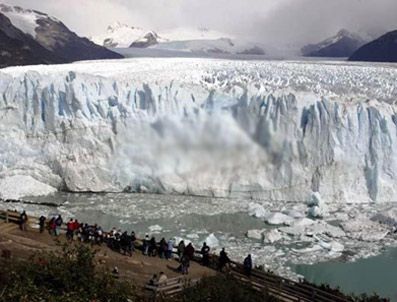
{"x": 258, "y": 280}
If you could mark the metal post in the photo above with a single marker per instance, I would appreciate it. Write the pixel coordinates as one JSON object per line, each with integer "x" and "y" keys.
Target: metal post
{"x": 7, "y": 217}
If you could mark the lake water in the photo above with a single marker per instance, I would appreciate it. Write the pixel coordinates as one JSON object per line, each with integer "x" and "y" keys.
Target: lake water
{"x": 376, "y": 274}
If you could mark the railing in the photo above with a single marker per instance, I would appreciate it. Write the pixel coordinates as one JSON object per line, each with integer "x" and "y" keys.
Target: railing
{"x": 171, "y": 287}
{"x": 9, "y": 216}
{"x": 261, "y": 281}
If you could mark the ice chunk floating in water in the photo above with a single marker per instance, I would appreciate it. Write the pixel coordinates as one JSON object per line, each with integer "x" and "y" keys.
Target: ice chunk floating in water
{"x": 271, "y": 130}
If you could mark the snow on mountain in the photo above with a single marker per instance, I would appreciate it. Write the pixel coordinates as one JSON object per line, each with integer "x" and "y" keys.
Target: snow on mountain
{"x": 25, "y": 20}
{"x": 31, "y": 37}
{"x": 199, "y": 40}
{"x": 271, "y": 130}
{"x": 18, "y": 48}
{"x": 343, "y": 44}
{"x": 120, "y": 35}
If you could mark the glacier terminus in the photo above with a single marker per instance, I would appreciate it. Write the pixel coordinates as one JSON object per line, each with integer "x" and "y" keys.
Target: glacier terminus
{"x": 268, "y": 130}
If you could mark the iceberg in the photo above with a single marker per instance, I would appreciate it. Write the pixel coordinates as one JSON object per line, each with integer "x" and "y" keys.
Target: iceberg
{"x": 272, "y": 236}
{"x": 278, "y": 219}
{"x": 212, "y": 241}
{"x": 257, "y": 210}
{"x": 249, "y": 129}
{"x": 317, "y": 207}
{"x": 255, "y": 234}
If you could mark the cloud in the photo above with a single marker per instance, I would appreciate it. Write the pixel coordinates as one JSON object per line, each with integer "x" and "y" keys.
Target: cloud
{"x": 276, "y": 22}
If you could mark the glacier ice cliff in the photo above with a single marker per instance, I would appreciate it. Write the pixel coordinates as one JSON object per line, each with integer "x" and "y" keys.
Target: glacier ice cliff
{"x": 266, "y": 130}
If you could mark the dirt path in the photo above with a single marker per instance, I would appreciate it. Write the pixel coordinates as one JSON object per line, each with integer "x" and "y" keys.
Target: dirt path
{"x": 138, "y": 268}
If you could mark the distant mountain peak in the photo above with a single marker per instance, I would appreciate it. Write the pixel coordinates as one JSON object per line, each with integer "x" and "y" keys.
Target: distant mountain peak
{"x": 121, "y": 35}
{"x": 343, "y": 44}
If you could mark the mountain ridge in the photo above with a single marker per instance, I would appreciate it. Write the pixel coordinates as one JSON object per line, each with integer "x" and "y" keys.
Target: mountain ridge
{"x": 32, "y": 37}
{"x": 382, "y": 49}
{"x": 343, "y": 44}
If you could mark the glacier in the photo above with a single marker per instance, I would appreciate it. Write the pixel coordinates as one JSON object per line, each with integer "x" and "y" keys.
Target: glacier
{"x": 271, "y": 130}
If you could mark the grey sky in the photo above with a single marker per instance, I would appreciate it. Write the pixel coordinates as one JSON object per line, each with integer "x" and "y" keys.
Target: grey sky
{"x": 276, "y": 22}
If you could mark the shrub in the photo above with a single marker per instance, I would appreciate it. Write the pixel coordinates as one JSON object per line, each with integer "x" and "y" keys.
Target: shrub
{"x": 67, "y": 276}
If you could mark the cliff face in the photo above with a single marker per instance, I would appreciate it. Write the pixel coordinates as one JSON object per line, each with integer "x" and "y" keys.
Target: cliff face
{"x": 270, "y": 130}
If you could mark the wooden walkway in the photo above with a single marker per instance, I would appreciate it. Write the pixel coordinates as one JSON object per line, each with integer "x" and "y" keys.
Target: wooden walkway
{"x": 279, "y": 287}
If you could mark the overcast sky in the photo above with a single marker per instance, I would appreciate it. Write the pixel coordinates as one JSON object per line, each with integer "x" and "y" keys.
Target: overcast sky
{"x": 269, "y": 21}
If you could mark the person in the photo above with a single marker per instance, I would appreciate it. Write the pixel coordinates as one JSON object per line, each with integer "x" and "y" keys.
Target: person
{"x": 76, "y": 226}
{"x": 162, "y": 278}
{"x": 115, "y": 272}
{"x": 185, "y": 263}
{"x": 163, "y": 247}
{"x": 23, "y": 220}
{"x": 145, "y": 245}
{"x": 51, "y": 226}
{"x": 42, "y": 220}
{"x": 205, "y": 251}
{"x": 124, "y": 242}
{"x": 116, "y": 241}
{"x": 70, "y": 229}
{"x": 223, "y": 259}
{"x": 98, "y": 235}
{"x": 248, "y": 265}
{"x": 152, "y": 247}
{"x": 132, "y": 241}
{"x": 154, "y": 280}
{"x": 189, "y": 251}
{"x": 58, "y": 224}
{"x": 181, "y": 249}
{"x": 170, "y": 248}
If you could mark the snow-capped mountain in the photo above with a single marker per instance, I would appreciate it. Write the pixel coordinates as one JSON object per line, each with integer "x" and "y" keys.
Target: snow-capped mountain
{"x": 343, "y": 44}
{"x": 201, "y": 40}
{"x": 44, "y": 39}
{"x": 251, "y": 129}
{"x": 119, "y": 35}
{"x": 383, "y": 49}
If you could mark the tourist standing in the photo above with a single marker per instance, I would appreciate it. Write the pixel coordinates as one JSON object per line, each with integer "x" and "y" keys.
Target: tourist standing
{"x": 70, "y": 229}
{"x": 145, "y": 246}
{"x": 181, "y": 249}
{"x": 23, "y": 220}
{"x": 248, "y": 265}
{"x": 58, "y": 225}
{"x": 170, "y": 248}
{"x": 42, "y": 220}
{"x": 223, "y": 259}
{"x": 189, "y": 251}
{"x": 185, "y": 263}
{"x": 205, "y": 252}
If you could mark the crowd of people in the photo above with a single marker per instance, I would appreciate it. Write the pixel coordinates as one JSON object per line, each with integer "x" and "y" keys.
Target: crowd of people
{"x": 126, "y": 243}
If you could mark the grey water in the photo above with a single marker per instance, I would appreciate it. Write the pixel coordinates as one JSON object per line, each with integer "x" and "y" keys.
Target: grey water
{"x": 375, "y": 274}
{"x": 182, "y": 216}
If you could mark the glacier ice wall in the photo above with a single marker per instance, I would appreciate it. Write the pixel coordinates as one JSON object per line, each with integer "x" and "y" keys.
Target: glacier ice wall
{"x": 270, "y": 130}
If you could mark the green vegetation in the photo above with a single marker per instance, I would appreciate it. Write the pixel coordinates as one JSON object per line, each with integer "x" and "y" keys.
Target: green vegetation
{"x": 67, "y": 276}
